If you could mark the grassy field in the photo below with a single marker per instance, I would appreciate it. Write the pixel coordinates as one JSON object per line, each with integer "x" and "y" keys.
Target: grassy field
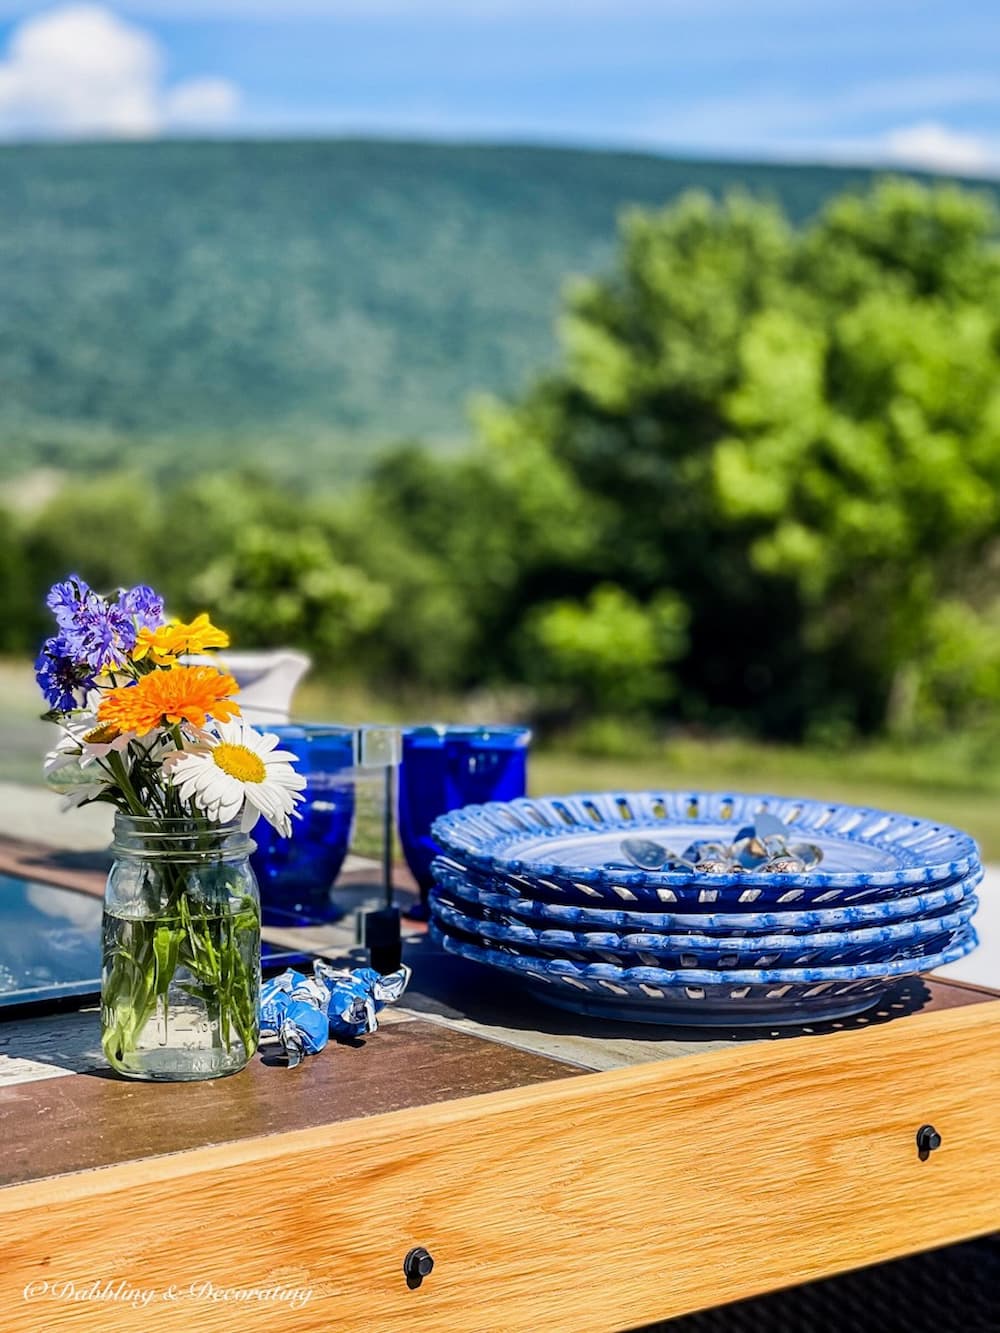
{"x": 957, "y": 782}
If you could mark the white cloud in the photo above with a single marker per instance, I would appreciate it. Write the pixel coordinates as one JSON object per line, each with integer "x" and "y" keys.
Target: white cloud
{"x": 793, "y": 126}
{"x": 202, "y": 102}
{"x": 926, "y": 146}
{"x": 936, "y": 148}
{"x": 771, "y": 118}
{"x": 80, "y": 71}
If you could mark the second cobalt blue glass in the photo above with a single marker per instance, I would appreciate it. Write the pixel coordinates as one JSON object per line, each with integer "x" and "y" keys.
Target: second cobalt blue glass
{"x": 446, "y": 767}
{"x": 296, "y": 874}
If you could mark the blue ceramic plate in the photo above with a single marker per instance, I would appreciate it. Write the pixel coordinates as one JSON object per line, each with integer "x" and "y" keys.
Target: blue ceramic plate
{"x": 912, "y": 939}
{"x": 492, "y": 893}
{"x": 704, "y": 998}
{"x": 570, "y": 849}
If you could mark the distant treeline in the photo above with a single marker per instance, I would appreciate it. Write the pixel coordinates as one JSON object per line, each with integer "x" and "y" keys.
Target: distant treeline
{"x": 295, "y": 305}
{"x": 762, "y": 490}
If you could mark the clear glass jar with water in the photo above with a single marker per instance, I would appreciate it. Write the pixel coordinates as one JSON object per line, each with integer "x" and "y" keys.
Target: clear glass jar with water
{"x": 180, "y": 985}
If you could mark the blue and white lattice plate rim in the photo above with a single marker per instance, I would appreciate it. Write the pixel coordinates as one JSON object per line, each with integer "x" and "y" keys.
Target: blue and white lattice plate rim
{"x": 909, "y": 939}
{"x": 570, "y": 848}
{"x": 691, "y": 998}
{"x": 492, "y": 893}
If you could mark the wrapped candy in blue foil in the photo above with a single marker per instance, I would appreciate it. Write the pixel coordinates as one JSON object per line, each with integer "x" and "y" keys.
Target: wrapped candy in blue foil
{"x": 292, "y": 1010}
{"x": 355, "y": 997}
{"x": 302, "y": 1012}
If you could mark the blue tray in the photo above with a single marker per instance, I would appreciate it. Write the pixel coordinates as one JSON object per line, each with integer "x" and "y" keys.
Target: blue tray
{"x": 491, "y": 893}
{"x": 750, "y": 998}
{"x": 912, "y": 939}
{"x": 569, "y": 849}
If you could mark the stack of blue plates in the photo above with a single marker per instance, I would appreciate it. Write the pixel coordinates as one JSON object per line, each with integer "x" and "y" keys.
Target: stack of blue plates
{"x": 702, "y": 907}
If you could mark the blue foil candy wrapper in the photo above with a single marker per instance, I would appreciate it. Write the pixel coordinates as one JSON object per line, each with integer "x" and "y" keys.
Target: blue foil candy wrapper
{"x": 274, "y": 996}
{"x": 355, "y": 997}
{"x": 302, "y": 1011}
{"x": 304, "y": 1030}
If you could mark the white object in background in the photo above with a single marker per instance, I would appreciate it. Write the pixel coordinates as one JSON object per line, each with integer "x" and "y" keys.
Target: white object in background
{"x": 982, "y": 966}
{"x": 267, "y": 680}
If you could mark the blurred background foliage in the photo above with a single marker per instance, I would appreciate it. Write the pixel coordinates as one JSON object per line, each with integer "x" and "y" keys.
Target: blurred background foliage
{"x": 759, "y": 493}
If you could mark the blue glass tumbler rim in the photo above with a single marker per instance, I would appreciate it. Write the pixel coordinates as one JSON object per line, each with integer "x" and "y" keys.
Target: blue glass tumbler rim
{"x": 299, "y": 730}
{"x": 504, "y": 735}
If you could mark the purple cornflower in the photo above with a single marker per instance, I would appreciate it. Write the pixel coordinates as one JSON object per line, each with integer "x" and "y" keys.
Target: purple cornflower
{"x": 87, "y": 625}
{"x": 143, "y": 604}
{"x": 63, "y": 681}
{"x": 96, "y": 633}
{"x": 100, "y": 635}
{"x": 67, "y": 600}
{"x": 109, "y": 637}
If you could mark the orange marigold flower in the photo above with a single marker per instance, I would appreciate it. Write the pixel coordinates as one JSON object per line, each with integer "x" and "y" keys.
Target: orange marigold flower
{"x": 182, "y": 694}
{"x": 165, "y": 643}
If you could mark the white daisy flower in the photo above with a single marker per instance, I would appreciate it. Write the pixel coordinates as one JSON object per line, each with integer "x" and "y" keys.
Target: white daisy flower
{"x": 83, "y": 741}
{"x": 95, "y": 740}
{"x": 66, "y": 755}
{"x": 79, "y": 795}
{"x": 238, "y": 771}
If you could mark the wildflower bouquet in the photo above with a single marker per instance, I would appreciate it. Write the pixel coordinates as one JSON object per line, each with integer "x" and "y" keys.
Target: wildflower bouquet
{"x": 164, "y": 743}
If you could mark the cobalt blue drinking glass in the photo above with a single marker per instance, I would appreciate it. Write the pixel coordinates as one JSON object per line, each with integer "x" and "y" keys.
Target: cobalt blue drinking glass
{"x": 447, "y": 767}
{"x": 296, "y": 874}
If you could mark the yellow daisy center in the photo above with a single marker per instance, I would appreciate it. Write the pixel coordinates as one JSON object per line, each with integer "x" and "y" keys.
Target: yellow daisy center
{"x": 239, "y": 762}
{"x": 103, "y": 734}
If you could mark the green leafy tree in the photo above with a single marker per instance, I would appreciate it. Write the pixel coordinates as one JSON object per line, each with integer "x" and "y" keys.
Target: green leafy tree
{"x": 863, "y": 461}
{"x": 606, "y": 655}
{"x": 19, "y": 620}
{"x": 798, "y": 434}
{"x": 276, "y": 588}
{"x": 105, "y": 529}
{"x": 466, "y": 545}
{"x": 204, "y": 519}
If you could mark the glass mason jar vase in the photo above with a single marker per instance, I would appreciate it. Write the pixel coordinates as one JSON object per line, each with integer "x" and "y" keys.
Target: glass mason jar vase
{"x": 180, "y": 985}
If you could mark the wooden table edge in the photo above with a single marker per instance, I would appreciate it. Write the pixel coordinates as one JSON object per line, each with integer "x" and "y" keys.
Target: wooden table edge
{"x": 760, "y": 1057}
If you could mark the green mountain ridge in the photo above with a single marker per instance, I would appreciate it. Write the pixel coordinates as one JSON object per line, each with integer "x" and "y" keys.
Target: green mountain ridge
{"x": 297, "y": 305}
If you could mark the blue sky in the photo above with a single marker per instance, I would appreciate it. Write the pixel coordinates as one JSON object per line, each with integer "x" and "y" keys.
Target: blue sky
{"x": 837, "y": 80}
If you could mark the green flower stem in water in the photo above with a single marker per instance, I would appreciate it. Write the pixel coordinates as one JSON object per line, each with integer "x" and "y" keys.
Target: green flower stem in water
{"x": 214, "y": 950}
